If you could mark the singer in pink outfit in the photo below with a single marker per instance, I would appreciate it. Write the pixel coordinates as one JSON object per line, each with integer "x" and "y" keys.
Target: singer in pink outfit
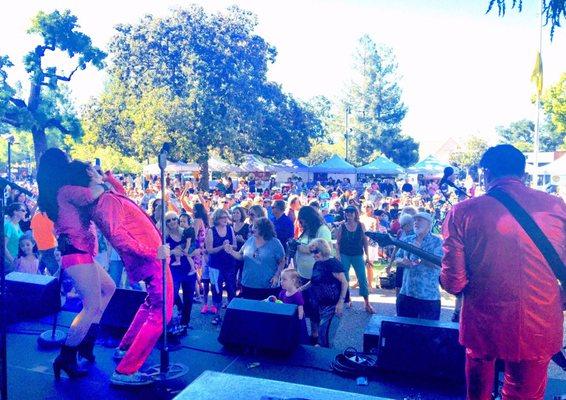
{"x": 136, "y": 239}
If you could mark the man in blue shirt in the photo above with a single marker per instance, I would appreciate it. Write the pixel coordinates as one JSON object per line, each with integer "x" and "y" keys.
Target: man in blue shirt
{"x": 284, "y": 228}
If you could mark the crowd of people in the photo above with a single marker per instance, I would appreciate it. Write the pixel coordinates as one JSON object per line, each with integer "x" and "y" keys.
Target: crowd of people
{"x": 296, "y": 242}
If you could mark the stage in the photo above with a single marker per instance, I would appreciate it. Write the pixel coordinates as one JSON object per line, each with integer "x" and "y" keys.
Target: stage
{"x": 30, "y": 375}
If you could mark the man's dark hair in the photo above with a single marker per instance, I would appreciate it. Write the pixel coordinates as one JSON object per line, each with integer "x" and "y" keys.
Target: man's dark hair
{"x": 13, "y": 207}
{"x": 503, "y": 160}
{"x": 279, "y": 205}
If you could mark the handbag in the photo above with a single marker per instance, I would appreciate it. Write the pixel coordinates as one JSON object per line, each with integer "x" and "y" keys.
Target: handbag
{"x": 535, "y": 233}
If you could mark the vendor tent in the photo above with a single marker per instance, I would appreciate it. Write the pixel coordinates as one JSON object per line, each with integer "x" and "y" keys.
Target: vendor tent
{"x": 429, "y": 166}
{"x": 218, "y": 165}
{"x": 173, "y": 167}
{"x": 291, "y": 166}
{"x": 288, "y": 168}
{"x": 557, "y": 167}
{"x": 334, "y": 165}
{"x": 253, "y": 163}
{"x": 381, "y": 166}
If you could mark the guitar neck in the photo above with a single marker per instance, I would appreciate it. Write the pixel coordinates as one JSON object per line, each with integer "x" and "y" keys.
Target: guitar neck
{"x": 425, "y": 255}
{"x": 384, "y": 239}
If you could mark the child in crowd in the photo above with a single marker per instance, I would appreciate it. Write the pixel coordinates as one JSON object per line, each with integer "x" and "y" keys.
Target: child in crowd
{"x": 290, "y": 294}
{"x": 27, "y": 260}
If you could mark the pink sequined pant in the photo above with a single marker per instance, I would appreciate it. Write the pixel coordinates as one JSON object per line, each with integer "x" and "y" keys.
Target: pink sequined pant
{"x": 523, "y": 379}
{"x": 147, "y": 326}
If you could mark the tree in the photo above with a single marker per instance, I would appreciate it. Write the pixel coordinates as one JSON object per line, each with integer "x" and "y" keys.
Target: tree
{"x": 322, "y": 151}
{"x": 375, "y": 102}
{"x": 521, "y": 135}
{"x": 199, "y": 81}
{"x": 554, "y": 105}
{"x": 552, "y": 10}
{"x": 37, "y": 114}
{"x": 471, "y": 154}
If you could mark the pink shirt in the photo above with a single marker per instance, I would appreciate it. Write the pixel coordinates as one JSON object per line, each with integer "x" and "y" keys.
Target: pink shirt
{"x": 512, "y": 308}
{"x": 130, "y": 231}
{"x": 73, "y": 220}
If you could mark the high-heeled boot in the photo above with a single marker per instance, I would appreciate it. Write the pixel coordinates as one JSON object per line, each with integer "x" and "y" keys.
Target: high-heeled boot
{"x": 67, "y": 361}
{"x": 86, "y": 347}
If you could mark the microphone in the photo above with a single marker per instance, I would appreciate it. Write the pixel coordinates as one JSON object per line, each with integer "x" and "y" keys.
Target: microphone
{"x": 448, "y": 172}
{"x": 445, "y": 181}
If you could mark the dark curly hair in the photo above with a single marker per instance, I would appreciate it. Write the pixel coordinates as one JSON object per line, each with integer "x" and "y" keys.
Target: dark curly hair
{"x": 310, "y": 220}
{"x": 265, "y": 228}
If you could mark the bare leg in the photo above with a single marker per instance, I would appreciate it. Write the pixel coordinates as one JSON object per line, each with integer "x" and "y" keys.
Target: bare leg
{"x": 107, "y": 289}
{"x": 87, "y": 283}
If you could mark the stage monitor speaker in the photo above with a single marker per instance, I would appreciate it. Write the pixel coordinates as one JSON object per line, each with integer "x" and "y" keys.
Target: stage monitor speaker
{"x": 272, "y": 327}
{"x": 122, "y": 308}
{"x": 31, "y": 296}
{"x": 421, "y": 347}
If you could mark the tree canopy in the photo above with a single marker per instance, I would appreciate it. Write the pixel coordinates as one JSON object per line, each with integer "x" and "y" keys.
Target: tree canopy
{"x": 42, "y": 109}
{"x": 377, "y": 108}
{"x": 199, "y": 81}
{"x": 470, "y": 155}
{"x": 552, "y": 10}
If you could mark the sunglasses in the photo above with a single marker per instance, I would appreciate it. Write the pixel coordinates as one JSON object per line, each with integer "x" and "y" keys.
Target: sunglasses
{"x": 171, "y": 219}
{"x": 315, "y": 251}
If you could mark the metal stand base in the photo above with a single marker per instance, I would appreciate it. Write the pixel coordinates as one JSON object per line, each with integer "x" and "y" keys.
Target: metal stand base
{"x": 173, "y": 372}
{"x": 50, "y": 339}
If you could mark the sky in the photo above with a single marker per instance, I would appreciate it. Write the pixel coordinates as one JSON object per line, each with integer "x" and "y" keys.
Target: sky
{"x": 462, "y": 72}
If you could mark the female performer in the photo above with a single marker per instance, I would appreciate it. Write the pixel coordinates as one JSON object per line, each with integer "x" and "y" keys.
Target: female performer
{"x": 77, "y": 242}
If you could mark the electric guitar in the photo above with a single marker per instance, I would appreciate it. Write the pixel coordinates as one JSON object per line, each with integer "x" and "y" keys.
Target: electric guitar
{"x": 385, "y": 239}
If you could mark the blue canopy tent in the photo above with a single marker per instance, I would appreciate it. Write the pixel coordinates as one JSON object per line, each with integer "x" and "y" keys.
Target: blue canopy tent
{"x": 431, "y": 166}
{"x": 334, "y": 165}
{"x": 381, "y": 166}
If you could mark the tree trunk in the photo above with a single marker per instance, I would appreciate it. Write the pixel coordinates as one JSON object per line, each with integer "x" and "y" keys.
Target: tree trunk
{"x": 39, "y": 143}
{"x": 204, "y": 173}
{"x": 38, "y": 132}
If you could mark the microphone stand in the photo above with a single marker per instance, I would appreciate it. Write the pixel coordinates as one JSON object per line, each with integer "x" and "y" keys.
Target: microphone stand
{"x": 165, "y": 371}
{"x": 3, "y": 334}
{"x": 52, "y": 338}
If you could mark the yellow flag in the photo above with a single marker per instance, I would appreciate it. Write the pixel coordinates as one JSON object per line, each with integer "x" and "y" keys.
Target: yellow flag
{"x": 536, "y": 76}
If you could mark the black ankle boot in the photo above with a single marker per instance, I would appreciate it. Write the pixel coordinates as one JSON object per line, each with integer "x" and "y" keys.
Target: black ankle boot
{"x": 67, "y": 361}
{"x": 87, "y": 345}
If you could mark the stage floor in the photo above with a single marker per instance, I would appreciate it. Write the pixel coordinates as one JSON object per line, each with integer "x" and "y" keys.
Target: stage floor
{"x": 30, "y": 375}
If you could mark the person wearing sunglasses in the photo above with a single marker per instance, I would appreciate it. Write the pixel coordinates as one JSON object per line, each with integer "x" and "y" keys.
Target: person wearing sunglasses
{"x": 256, "y": 211}
{"x": 15, "y": 212}
{"x": 325, "y": 293}
{"x": 182, "y": 266}
{"x": 222, "y": 268}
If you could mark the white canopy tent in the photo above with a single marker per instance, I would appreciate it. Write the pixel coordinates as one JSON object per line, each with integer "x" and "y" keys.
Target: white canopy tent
{"x": 253, "y": 163}
{"x": 289, "y": 168}
{"x": 173, "y": 167}
{"x": 218, "y": 165}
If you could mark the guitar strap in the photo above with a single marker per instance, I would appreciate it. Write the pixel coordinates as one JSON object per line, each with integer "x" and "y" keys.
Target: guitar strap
{"x": 535, "y": 233}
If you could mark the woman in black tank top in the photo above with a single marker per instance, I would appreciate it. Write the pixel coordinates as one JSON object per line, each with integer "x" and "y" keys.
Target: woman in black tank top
{"x": 352, "y": 244}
